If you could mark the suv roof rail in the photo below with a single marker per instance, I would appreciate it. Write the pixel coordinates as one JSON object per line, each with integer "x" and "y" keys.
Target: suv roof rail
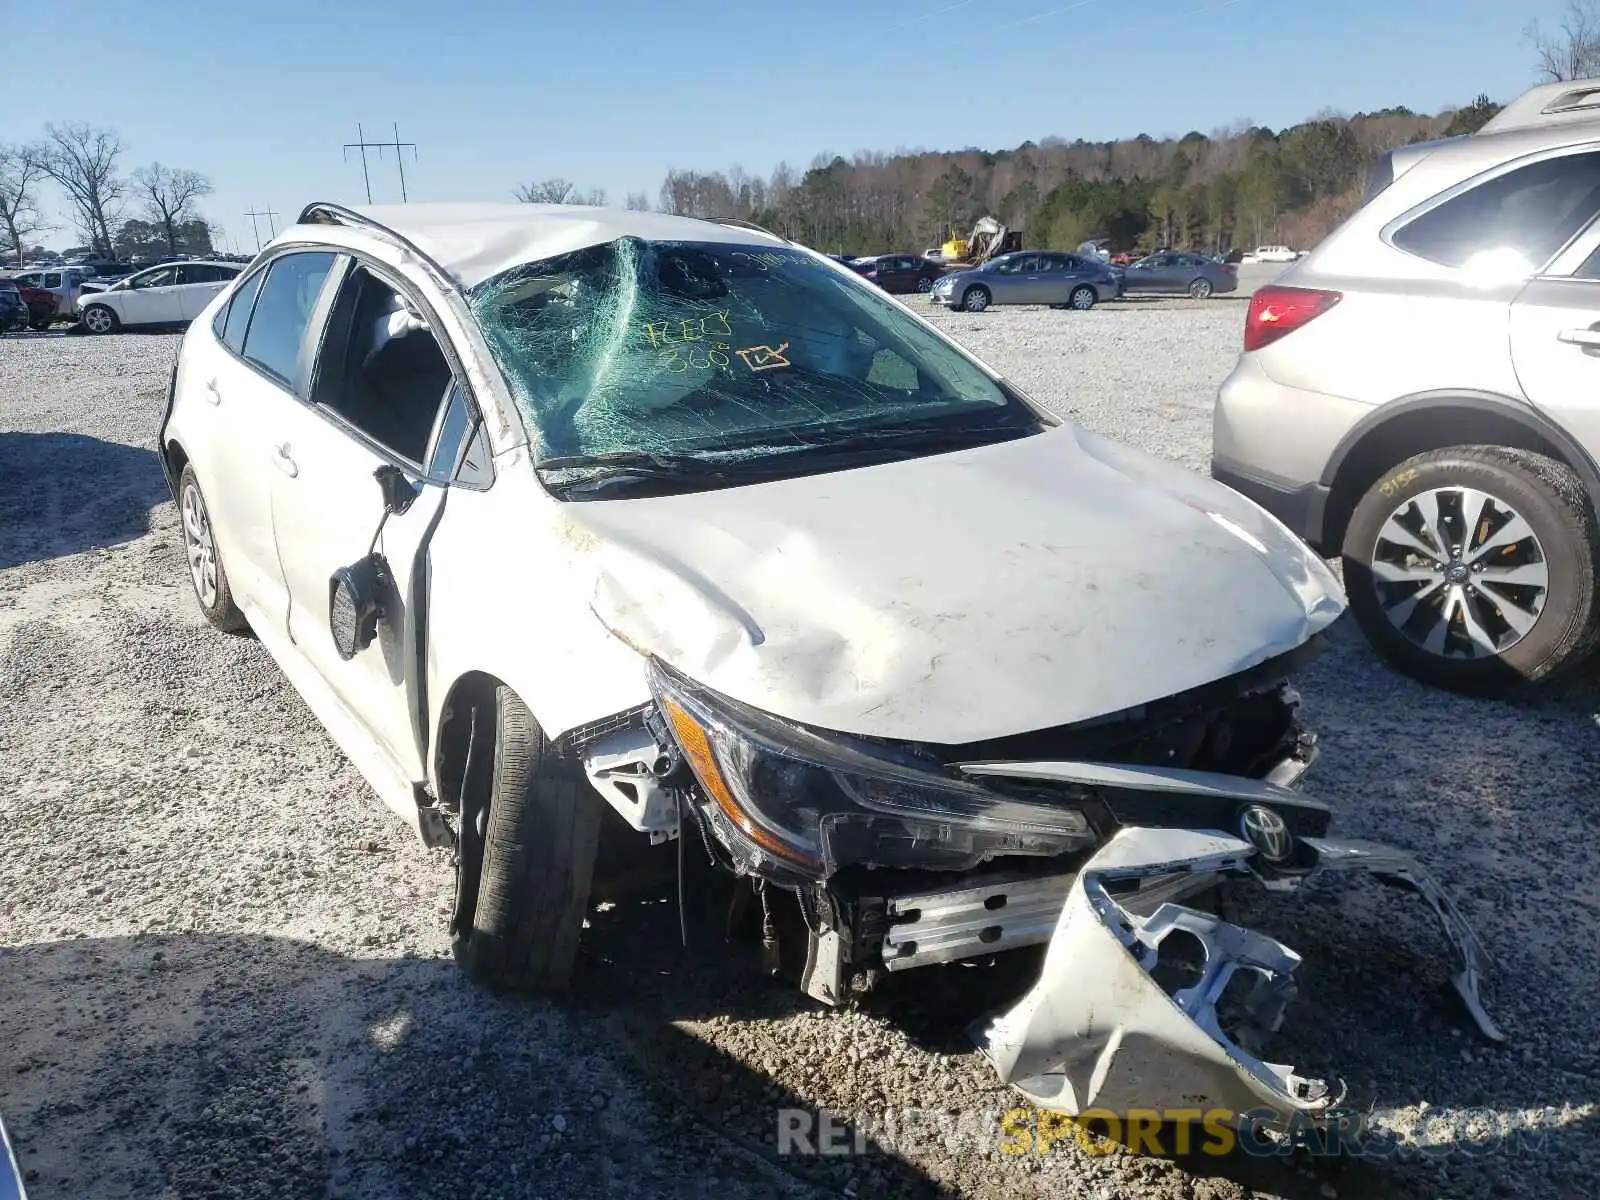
{"x": 1549, "y": 104}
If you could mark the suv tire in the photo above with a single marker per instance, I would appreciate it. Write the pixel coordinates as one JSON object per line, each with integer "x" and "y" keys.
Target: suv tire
{"x": 1500, "y": 610}
{"x": 529, "y": 830}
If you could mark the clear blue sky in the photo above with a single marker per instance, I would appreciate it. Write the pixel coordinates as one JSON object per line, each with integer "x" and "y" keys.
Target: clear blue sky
{"x": 610, "y": 93}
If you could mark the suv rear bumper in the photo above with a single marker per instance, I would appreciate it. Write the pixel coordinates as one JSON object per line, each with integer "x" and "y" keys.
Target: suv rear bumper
{"x": 1301, "y": 508}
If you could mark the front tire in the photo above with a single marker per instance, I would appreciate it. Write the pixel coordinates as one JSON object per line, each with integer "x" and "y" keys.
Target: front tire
{"x": 211, "y": 588}
{"x": 530, "y": 827}
{"x": 1083, "y": 298}
{"x": 1473, "y": 568}
{"x": 1200, "y": 289}
{"x": 924, "y": 285}
{"x": 98, "y": 318}
{"x": 975, "y": 299}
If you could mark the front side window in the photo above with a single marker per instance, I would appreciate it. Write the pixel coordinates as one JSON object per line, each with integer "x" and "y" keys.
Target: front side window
{"x": 283, "y": 311}
{"x": 381, "y": 369}
{"x": 1512, "y": 224}
{"x": 161, "y": 277}
{"x": 720, "y": 352}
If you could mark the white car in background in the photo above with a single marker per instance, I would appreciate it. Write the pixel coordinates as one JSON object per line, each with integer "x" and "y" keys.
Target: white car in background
{"x": 1271, "y": 254}
{"x": 171, "y": 294}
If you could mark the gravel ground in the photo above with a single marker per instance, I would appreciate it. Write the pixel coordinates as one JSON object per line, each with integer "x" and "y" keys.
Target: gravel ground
{"x": 225, "y": 972}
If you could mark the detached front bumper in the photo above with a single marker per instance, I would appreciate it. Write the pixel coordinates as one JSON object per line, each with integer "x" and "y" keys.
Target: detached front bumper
{"x": 1100, "y": 1031}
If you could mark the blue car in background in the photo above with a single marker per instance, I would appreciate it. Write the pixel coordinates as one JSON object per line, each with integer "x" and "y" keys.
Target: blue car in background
{"x": 10, "y": 1173}
{"x": 13, "y": 308}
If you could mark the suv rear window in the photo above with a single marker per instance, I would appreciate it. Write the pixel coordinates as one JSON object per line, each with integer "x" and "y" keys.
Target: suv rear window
{"x": 1529, "y": 213}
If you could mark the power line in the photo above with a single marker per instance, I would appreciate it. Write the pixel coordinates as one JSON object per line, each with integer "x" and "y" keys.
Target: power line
{"x": 256, "y": 229}
{"x": 397, "y": 146}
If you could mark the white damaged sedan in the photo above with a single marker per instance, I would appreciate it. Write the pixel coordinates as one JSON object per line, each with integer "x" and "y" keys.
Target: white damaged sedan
{"x": 544, "y": 509}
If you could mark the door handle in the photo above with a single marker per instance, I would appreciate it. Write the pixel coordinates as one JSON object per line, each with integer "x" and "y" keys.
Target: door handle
{"x": 213, "y": 394}
{"x": 1589, "y": 339}
{"x": 284, "y": 462}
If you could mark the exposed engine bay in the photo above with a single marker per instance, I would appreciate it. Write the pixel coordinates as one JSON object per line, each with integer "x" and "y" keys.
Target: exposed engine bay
{"x": 889, "y": 857}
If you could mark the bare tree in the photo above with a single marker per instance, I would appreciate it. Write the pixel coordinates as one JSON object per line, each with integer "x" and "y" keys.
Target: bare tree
{"x": 21, "y": 169}
{"x": 594, "y": 196}
{"x": 168, "y": 195}
{"x": 1572, "y": 50}
{"x": 638, "y": 201}
{"x": 549, "y": 191}
{"x": 83, "y": 160}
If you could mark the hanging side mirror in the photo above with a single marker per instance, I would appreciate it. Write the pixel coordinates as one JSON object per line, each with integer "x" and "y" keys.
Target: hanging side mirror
{"x": 355, "y": 604}
{"x": 356, "y": 592}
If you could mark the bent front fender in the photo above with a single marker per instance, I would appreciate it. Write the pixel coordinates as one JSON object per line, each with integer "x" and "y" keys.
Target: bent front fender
{"x": 1098, "y": 1031}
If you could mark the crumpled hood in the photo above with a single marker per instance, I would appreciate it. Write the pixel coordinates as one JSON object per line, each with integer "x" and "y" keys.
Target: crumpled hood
{"x": 962, "y": 596}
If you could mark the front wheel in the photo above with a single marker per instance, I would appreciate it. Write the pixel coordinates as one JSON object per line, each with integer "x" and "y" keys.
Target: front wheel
{"x": 1083, "y": 298}
{"x": 1200, "y": 289}
{"x": 530, "y": 827}
{"x": 1473, "y": 567}
{"x": 97, "y": 318}
{"x": 924, "y": 286}
{"x": 975, "y": 299}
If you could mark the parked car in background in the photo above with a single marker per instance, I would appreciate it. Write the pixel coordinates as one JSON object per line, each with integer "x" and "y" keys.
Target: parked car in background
{"x": 899, "y": 273}
{"x": 167, "y": 295}
{"x": 64, "y": 283}
{"x": 13, "y": 308}
{"x": 1417, "y": 395}
{"x": 1271, "y": 254}
{"x": 1029, "y": 277}
{"x": 41, "y": 304}
{"x": 1178, "y": 272}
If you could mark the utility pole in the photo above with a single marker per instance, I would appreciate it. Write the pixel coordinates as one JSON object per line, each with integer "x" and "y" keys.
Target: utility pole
{"x": 256, "y": 229}
{"x": 397, "y": 146}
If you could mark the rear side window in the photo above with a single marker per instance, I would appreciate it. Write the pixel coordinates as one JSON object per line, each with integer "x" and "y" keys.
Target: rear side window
{"x": 282, "y": 312}
{"x": 1516, "y": 220}
{"x": 235, "y": 319}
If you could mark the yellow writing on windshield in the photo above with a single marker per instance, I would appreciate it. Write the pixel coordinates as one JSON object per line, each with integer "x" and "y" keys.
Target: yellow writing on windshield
{"x": 695, "y": 329}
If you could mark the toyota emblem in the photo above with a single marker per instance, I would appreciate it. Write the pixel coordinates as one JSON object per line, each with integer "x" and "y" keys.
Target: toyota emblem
{"x": 1267, "y": 832}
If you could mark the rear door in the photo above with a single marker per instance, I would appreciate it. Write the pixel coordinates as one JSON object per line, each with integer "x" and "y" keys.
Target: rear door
{"x": 199, "y": 284}
{"x": 1544, "y": 214}
{"x": 1555, "y": 342}
{"x": 246, "y": 387}
{"x": 381, "y": 386}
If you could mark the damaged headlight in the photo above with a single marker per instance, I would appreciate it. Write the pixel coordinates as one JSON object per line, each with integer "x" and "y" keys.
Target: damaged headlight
{"x": 791, "y": 797}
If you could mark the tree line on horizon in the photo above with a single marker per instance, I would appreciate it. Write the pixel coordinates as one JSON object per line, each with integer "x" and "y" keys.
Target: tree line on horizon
{"x": 1246, "y": 185}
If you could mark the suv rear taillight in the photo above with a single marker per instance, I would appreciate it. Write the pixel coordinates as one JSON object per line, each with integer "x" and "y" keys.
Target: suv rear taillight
{"x": 1276, "y": 312}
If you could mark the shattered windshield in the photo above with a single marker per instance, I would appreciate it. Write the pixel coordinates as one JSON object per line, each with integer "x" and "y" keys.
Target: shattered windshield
{"x": 680, "y": 352}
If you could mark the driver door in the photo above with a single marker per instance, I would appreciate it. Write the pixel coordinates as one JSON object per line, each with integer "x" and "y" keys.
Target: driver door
{"x": 378, "y": 399}
{"x": 154, "y": 298}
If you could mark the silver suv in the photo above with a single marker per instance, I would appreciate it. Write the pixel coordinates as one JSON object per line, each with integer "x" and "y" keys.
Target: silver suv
{"x": 1421, "y": 395}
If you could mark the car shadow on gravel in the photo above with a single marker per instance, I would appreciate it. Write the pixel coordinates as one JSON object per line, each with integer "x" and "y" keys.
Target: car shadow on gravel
{"x": 237, "y": 1067}
{"x": 64, "y": 493}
